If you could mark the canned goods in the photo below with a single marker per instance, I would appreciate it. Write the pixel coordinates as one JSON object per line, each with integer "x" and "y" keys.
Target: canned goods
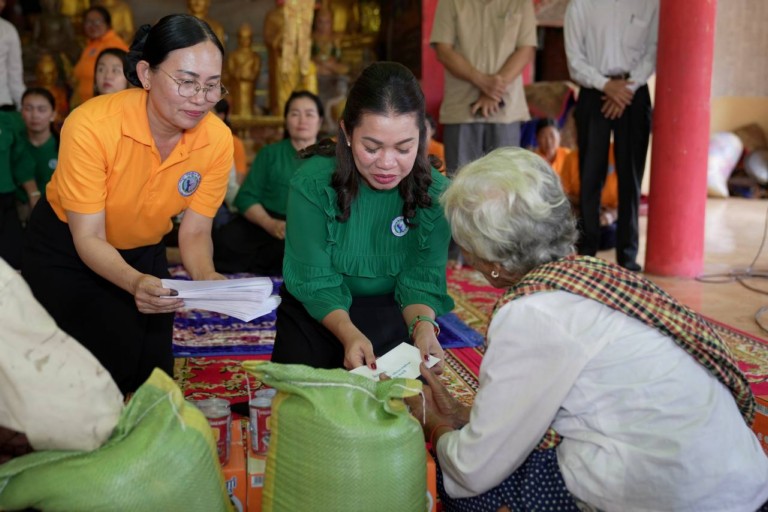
{"x": 219, "y": 416}
{"x": 261, "y": 410}
{"x": 265, "y": 392}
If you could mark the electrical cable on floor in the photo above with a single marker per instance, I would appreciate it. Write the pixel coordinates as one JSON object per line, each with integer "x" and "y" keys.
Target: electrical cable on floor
{"x": 740, "y": 276}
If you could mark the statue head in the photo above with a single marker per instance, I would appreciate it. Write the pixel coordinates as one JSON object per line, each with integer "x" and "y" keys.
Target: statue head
{"x": 245, "y": 36}
{"x": 51, "y": 6}
{"x": 323, "y": 22}
{"x": 198, "y": 7}
{"x": 46, "y": 71}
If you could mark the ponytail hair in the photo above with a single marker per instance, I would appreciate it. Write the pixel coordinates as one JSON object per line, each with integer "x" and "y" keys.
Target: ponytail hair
{"x": 153, "y": 43}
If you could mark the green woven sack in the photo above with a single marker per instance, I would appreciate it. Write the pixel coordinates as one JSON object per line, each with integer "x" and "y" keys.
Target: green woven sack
{"x": 161, "y": 457}
{"x": 341, "y": 442}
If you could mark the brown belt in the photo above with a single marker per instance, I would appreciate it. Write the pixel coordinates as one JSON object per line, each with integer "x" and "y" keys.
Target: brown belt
{"x": 619, "y": 76}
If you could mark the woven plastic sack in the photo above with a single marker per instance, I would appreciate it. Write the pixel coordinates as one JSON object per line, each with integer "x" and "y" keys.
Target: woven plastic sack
{"x": 341, "y": 442}
{"x": 161, "y": 456}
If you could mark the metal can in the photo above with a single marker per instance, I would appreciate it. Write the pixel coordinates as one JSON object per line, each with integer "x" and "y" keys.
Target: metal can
{"x": 219, "y": 416}
{"x": 265, "y": 392}
{"x": 260, "y": 412}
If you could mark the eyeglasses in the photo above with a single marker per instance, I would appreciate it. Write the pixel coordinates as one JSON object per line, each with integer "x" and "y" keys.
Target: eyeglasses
{"x": 189, "y": 88}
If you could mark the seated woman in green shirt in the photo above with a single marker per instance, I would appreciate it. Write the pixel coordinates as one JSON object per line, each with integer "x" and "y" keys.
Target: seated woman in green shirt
{"x": 38, "y": 109}
{"x": 254, "y": 241}
{"x": 367, "y": 243}
{"x": 16, "y": 181}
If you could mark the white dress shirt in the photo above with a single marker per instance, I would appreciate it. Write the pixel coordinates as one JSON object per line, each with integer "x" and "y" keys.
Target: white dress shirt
{"x": 11, "y": 72}
{"x": 610, "y": 37}
{"x": 644, "y": 426}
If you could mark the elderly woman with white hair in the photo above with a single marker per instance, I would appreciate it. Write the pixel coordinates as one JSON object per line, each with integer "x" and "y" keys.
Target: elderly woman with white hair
{"x": 597, "y": 389}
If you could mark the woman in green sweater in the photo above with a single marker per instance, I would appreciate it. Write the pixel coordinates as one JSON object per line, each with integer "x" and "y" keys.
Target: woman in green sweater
{"x": 254, "y": 241}
{"x": 367, "y": 244}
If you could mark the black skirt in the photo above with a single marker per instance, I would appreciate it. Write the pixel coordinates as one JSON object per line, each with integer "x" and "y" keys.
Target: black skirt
{"x": 242, "y": 246}
{"x": 300, "y": 339}
{"x": 95, "y": 312}
{"x": 11, "y": 232}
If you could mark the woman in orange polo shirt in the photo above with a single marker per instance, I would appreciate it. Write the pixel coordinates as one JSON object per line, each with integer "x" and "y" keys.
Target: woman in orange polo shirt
{"x": 97, "y": 25}
{"x": 128, "y": 163}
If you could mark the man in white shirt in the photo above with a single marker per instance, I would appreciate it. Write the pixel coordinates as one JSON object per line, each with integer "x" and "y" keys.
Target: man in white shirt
{"x": 611, "y": 50}
{"x": 11, "y": 73}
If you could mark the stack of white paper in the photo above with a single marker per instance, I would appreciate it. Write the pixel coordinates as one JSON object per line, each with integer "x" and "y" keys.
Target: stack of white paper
{"x": 401, "y": 362}
{"x": 244, "y": 299}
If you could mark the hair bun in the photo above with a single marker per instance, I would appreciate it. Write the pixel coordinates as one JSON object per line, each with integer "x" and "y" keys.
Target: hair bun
{"x": 135, "y": 53}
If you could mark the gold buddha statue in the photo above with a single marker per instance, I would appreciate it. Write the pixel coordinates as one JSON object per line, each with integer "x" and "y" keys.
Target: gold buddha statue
{"x": 327, "y": 54}
{"x": 74, "y": 9}
{"x": 199, "y": 9}
{"x": 242, "y": 71}
{"x": 52, "y": 32}
{"x": 358, "y": 22}
{"x": 122, "y": 18}
{"x": 287, "y": 36}
{"x": 326, "y": 45}
{"x": 346, "y": 15}
{"x": 47, "y": 76}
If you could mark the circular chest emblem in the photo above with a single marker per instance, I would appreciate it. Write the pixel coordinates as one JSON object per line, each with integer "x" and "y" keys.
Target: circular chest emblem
{"x": 188, "y": 183}
{"x": 399, "y": 227}
{"x": 52, "y": 163}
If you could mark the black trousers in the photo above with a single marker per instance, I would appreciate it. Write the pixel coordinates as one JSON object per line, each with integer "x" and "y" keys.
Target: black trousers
{"x": 631, "y": 132}
{"x": 300, "y": 339}
{"x": 11, "y": 232}
{"x": 242, "y": 246}
{"x": 95, "y": 312}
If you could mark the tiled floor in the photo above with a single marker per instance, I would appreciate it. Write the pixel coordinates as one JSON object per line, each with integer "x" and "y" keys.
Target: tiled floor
{"x": 733, "y": 234}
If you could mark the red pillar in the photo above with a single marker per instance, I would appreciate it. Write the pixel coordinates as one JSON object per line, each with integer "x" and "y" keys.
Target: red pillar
{"x": 431, "y": 69}
{"x": 678, "y": 192}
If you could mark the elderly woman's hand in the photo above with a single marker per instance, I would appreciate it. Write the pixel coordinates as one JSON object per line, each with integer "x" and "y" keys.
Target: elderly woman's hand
{"x": 440, "y": 407}
{"x": 12, "y": 444}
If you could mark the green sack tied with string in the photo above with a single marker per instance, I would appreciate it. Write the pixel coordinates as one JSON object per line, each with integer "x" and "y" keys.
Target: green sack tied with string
{"x": 341, "y": 442}
{"x": 160, "y": 457}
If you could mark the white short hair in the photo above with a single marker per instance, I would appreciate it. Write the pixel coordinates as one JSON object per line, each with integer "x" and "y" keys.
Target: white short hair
{"x": 508, "y": 207}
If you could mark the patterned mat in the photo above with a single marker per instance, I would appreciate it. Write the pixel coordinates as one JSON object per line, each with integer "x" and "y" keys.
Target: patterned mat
{"x": 204, "y": 377}
{"x": 475, "y": 299}
{"x": 223, "y": 376}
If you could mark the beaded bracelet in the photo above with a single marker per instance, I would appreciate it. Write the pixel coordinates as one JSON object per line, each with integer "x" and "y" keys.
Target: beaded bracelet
{"x": 422, "y": 318}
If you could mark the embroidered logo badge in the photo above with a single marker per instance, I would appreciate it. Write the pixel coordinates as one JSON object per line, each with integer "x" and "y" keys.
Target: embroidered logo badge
{"x": 399, "y": 227}
{"x": 188, "y": 183}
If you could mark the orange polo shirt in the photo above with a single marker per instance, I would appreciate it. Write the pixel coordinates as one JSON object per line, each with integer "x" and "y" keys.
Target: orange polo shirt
{"x": 85, "y": 69}
{"x": 108, "y": 162}
{"x": 438, "y": 149}
{"x": 557, "y": 163}
{"x": 241, "y": 166}
{"x": 609, "y": 198}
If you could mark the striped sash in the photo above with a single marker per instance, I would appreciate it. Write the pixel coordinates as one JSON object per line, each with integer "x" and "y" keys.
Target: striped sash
{"x": 632, "y": 295}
